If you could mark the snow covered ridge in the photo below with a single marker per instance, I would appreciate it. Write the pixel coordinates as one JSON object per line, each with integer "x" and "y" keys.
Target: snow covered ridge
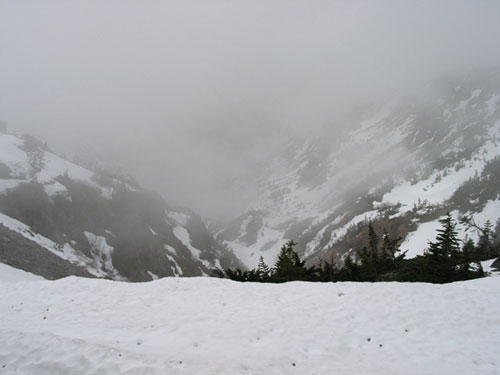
{"x": 99, "y": 223}
{"x": 187, "y": 326}
{"x": 403, "y": 167}
{"x": 25, "y": 160}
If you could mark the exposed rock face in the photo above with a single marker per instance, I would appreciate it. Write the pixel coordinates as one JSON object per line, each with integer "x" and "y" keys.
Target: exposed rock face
{"x": 19, "y": 252}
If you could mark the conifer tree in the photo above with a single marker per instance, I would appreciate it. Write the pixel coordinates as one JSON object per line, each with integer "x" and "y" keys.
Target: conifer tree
{"x": 390, "y": 246}
{"x": 443, "y": 254}
{"x": 372, "y": 238}
{"x": 263, "y": 270}
{"x": 327, "y": 271}
{"x": 236, "y": 274}
{"x": 289, "y": 267}
{"x": 467, "y": 251}
{"x": 350, "y": 271}
{"x": 377, "y": 260}
{"x": 485, "y": 248}
{"x": 369, "y": 257}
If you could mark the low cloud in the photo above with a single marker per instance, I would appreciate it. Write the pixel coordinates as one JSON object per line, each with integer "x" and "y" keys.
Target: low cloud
{"x": 192, "y": 96}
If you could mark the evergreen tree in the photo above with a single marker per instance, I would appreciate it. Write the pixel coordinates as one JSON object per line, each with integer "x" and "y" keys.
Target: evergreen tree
{"x": 350, "y": 271}
{"x": 443, "y": 254}
{"x": 240, "y": 275}
{"x": 390, "y": 246}
{"x": 372, "y": 238}
{"x": 289, "y": 267}
{"x": 368, "y": 270}
{"x": 236, "y": 274}
{"x": 467, "y": 252}
{"x": 369, "y": 257}
{"x": 485, "y": 247}
{"x": 378, "y": 260}
{"x": 327, "y": 271}
{"x": 263, "y": 270}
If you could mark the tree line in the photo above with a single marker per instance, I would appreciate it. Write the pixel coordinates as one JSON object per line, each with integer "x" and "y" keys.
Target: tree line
{"x": 445, "y": 260}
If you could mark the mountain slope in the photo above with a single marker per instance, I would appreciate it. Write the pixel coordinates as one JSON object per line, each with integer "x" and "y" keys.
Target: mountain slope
{"x": 401, "y": 165}
{"x": 97, "y": 224}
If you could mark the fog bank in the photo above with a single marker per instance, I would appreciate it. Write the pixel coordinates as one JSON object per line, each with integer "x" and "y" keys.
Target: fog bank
{"x": 191, "y": 96}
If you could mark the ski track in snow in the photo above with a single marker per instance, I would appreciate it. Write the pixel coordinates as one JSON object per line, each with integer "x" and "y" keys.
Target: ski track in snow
{"x": 211, "y": 326}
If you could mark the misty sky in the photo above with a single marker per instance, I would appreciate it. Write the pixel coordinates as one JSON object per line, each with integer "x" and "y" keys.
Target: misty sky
{"x": 189, "y": 94}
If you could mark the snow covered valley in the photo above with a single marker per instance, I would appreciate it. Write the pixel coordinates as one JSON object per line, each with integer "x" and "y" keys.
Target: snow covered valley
{"x": 213, "y": 326}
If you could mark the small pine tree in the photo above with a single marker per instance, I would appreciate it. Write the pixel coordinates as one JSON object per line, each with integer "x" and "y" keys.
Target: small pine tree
{"x": 485, "y": 247}
{"x": 377, "y": 260}
{"x": 443, "y": 254}
{"x": 236, "y": 274}
{"x": 369, "y": 257}
{"x": 372, "y": 238}
{"x": 350, "y": 271}
{"x": 327, "y": 271}
{"x": 467, "y": 251}
{"x": 390, "y": 246}
{"x": 263, "y": 270}
{"x": 289, "y": 267}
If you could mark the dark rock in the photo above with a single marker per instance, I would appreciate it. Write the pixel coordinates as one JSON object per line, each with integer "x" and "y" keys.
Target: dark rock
{"x": 496, "y": 264}
{"x": 22, "y": 253}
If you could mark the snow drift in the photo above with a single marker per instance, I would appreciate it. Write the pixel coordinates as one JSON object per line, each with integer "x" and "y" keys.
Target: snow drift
{"x": 213, "y": 326}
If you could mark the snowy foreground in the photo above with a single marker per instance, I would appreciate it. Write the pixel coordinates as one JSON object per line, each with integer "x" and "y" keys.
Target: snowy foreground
{"x": 211, "y": 326}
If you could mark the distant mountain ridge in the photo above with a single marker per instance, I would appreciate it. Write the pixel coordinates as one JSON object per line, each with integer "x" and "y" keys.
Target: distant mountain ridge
{"x": 94, "y": 224}
{"x": 403, "y": 167}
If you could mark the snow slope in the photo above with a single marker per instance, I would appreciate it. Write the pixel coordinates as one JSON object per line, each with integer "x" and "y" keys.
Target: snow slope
{"x": 212, "y": 326}
{"x": 52, "y": 167}
{"x": 11, "y": 274}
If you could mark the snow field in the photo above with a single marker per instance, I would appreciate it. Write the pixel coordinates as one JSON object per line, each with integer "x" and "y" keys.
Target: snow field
{"x": 212, "y": 326}
{"x": 12, "y": 275}
{"x": 417, "y": 242}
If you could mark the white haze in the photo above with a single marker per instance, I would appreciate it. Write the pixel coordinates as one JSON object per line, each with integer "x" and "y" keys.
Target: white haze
{"x": 190, "y": 96}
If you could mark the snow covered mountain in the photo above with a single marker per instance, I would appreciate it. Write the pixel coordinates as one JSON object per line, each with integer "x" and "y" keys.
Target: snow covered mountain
{"x": 402, "y": 165}
{"x": 59, "y": 219}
